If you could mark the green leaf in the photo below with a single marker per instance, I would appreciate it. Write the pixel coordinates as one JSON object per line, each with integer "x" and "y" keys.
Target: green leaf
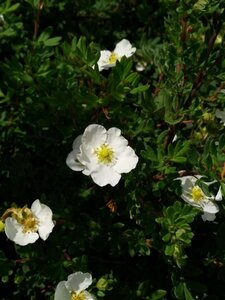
{"x": 118, "y": 225}
{"x": 100, "y": 294}
{"x": 11, "y": 8}
{"x": 149, "y": 154}
{"x": 159, "y": 294}
{"x": 222, "y": 141}
{"x": 52, "y": 41}
{"x": 163, "y": 99}
{"x": 187, "y": 293}
{"x": 179, "y": 291}
{"x": 139, "y": 89}
{"x": 169, "y": 250}
{"x": 179, "y": 159}
{"x": 172, "y": 118}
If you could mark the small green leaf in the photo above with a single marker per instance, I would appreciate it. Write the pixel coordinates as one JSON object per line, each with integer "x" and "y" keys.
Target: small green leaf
{"x": 139, "y": 89}
{"x": 159, "y": 294}
{"x": 52, "y": 42}
{"x": 179, "y": 159}
{"x": 187, "y": 293}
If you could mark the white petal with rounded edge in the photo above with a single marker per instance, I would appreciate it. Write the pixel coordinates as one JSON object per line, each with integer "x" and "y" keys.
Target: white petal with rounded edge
{"x": 77, "y": 142}
{"x": 86, "y": 155}
{"x": 41, "y": 211}
{"x": 210, "y": 207}
{"x": 72, "y": 161}
{"x": 208, "y": 217}
{"x": 44, "y": 215}
{"x": 103, "y": 61}
{"x": 61, "y": 292}
{"x": 117, "y": 142}
{"x": 78, "y": 281}
{"x": 88, "y": 159}
{"x": 126, "y": 161}
{"x": 124, "y": 48}
{"x": 188, "y": 182}
{"x": 45, "y": 229}
{"x": 14, "y": 231}
{"x": 105, "y": 175}
{"x": 94, "y": 136}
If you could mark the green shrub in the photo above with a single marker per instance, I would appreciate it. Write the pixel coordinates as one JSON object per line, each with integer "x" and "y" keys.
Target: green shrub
{"x": 138, "y": 239}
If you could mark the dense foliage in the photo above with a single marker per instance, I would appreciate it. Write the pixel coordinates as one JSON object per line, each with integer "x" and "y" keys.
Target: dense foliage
{"x": 139, "y": 239}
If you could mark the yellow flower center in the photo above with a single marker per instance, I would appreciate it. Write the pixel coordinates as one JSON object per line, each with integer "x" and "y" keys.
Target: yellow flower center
{"x": 113, "y": 58}
{"x": 197, "y": 194}
{"x": 23, "y": 216}
{"x": 105, "y": 154}
{"x": 75, "y": 296}
{"x": 30, "y": 224}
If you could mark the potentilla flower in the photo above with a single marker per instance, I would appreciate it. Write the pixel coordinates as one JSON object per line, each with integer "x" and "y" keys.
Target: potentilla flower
{"x": 74, "y": 288}
{"x": 25, "y": 225}
{"x": 220, "y": 114}
{"x": 141, "y": 66}
{"x": 194, "y": 195}
{"x": 102, "y": 154}
{"x": 108, "y": 59}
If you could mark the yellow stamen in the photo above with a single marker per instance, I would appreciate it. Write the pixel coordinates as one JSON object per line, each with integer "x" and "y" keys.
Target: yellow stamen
{"x": 80, "y": 296}
{"x": 23, "y": 216}
{"x": 113, "y": 58}
{"x": 197, "y": 194}
{"x": 105, "y": 154}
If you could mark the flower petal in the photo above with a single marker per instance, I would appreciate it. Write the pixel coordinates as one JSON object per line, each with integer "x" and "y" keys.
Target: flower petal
{"x": 45, "y": 230}
{"x": 88, "y": 296}
{"x": 103, "y": 62}
{"x": 77, "y": 142}
{"x": 210, "y": 207}
{"x": 115, "y": 140}
{"x": 78, "y": 282}
{"x": 14, "y": 231}
{"x": 61, "y": 292}
{"x": 44, "y": 215}
{"x": 124, "y": 48}
{"x": 219, "y": 195}
{"x": 126, "y": 161}
{"x": 72, "y": 161}
{"x": 104, "y": 175}
{"x": 208, "y": 216}
{"x": 41, "y": 211}
{"x": 221, "y": 115}
{"x": 188, "y": 181}
{"x": 94, "y": 136}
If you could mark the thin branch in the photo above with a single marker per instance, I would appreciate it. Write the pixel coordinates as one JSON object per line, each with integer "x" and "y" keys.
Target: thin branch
{"x": 36, "y": 20}
{"x": 202, "y": 74}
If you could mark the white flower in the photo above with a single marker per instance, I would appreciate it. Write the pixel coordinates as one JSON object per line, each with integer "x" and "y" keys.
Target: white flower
{"x": 220, "y": 114}
{"x": 26, "y": 225}
{"x": 195, "y": 196}
{"x": 108, "y": 59}
{"x": 141, "y": 66}
{"x": 74, "y": 288}
{"x": 102, "y": 154}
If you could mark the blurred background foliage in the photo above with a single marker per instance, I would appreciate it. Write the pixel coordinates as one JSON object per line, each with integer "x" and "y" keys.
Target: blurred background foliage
{"x": 139, "y": 239}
